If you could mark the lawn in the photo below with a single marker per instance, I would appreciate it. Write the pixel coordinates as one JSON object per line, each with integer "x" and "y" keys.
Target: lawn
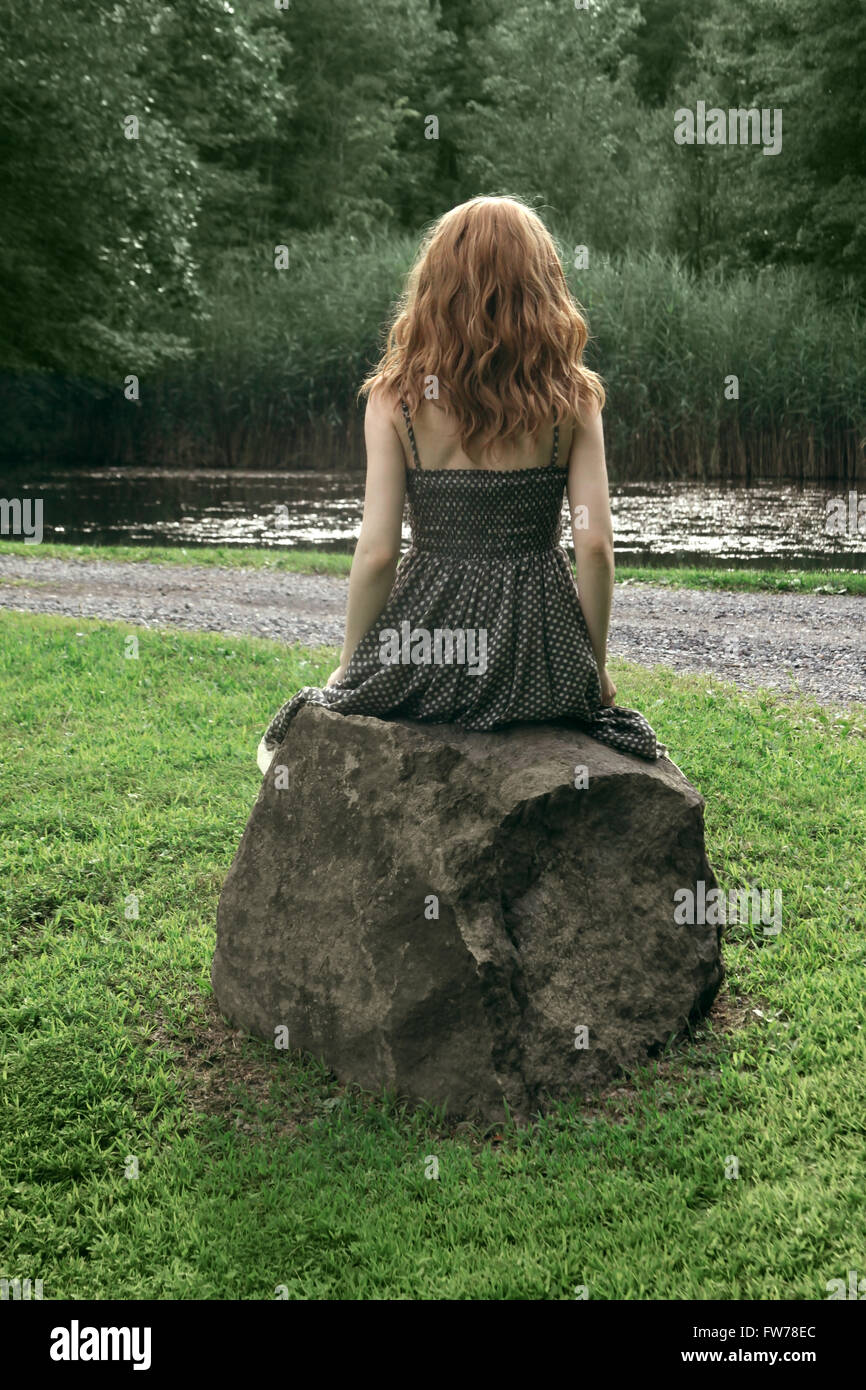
{"x": 148, "y": 1151}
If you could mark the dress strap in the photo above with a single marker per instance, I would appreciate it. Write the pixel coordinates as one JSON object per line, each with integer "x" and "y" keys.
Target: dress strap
{"x": 555, "y": 454}
{"x": 408, "y": 418}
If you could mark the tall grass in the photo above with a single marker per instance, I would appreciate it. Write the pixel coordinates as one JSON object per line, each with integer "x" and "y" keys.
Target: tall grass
{"x": 667, "y": 344}
{"x": 279, "y": 356}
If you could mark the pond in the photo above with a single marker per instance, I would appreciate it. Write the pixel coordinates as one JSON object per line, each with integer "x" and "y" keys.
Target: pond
{"x": 774, "y": 524}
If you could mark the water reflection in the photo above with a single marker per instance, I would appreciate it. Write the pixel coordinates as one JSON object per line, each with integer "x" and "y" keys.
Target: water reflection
{"x": 770, "y": 523}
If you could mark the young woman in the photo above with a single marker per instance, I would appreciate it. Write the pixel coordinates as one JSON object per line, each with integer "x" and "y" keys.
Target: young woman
{"x": 483, "y": 413}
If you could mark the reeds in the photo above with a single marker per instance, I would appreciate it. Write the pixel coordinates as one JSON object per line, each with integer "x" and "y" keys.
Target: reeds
{"x": 279, "y": 356}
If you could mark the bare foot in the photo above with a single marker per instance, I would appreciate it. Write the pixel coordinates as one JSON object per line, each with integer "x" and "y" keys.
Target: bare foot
{"x": 264, "y": 757}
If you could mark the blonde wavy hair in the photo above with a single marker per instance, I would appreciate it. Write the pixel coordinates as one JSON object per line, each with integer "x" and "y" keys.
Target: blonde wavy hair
{"x": 487, "y": 311}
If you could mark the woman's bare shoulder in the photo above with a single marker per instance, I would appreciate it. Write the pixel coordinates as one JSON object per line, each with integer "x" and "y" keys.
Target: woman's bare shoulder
{"x": 383, "y": 403}
{"x": 587, "y": 415}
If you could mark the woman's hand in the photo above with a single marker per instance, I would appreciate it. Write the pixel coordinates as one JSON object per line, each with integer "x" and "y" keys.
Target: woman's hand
{"x": 336, "y": 677}
{"x": 608, "y": 689}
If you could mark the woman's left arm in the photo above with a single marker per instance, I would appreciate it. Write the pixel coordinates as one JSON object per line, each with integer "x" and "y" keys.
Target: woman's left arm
{"x": 377, "y": 553}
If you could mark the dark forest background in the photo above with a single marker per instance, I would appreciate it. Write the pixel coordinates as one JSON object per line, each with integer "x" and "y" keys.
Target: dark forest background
{"x": 307, "y": 127}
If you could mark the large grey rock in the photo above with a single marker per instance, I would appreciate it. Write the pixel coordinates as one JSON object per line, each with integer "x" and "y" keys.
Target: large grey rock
{"x": 555, "y": 910}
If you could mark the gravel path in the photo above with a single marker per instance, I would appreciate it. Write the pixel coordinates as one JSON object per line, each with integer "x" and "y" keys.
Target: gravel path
{"x": 814, "y": 642}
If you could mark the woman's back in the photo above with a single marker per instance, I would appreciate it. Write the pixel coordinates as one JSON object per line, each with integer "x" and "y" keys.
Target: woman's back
{"x": 464, "y": 511}
{"x": 437, "y": 439}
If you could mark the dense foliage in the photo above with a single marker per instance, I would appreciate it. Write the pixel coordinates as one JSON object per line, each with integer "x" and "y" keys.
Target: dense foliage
{"x": 153, "y": 156}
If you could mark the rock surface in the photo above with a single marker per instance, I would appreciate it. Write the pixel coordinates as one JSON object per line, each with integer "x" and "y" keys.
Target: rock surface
{"x": 555, "y": 910}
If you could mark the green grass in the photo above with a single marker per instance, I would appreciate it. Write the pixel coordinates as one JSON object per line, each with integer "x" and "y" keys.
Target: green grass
{"x": 240, "y": 557}
{"x": 127, "y": 776}
{"x": 321, "y": 562}
{"x": 754, "y": 581}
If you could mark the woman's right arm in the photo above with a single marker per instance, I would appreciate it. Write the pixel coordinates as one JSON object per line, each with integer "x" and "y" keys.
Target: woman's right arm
{"x": 377, "y": 552}
{"x": 592, "y": 531}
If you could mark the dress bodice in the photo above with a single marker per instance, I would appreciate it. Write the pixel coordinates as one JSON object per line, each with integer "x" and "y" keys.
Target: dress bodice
{"x": 474, "y": 513}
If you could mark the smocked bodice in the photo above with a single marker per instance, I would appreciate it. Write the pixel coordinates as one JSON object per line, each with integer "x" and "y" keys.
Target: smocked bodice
{"x": 474, "y": 513}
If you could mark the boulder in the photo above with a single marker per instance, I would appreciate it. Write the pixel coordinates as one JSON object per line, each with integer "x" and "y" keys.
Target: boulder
{"x": 463, "y": 918}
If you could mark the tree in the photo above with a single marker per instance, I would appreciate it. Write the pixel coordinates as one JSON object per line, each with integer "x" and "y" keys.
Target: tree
{"x": 109, "y": 114}
{"x": 338, "y": 159}
{"x": 557, "y": 121}
{"x": 807, "y": 204}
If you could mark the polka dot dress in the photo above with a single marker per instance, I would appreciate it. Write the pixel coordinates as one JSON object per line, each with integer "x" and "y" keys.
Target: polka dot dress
{"x": 485, "y": 560}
